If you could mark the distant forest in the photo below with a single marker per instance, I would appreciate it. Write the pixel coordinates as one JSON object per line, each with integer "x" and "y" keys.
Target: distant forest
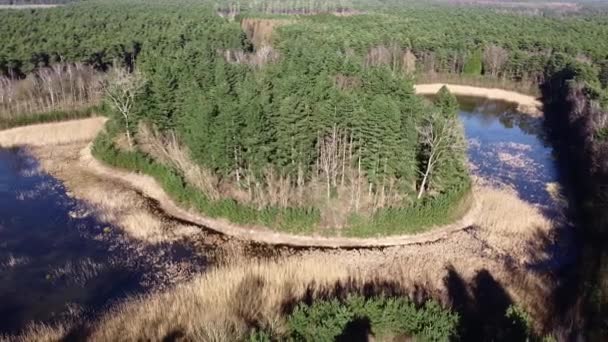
{"x": 35, "y": 2}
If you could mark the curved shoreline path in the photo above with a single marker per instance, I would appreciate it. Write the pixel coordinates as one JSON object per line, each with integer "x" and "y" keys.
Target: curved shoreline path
{"x": 87, "y": 129}
{"x": 525, "y": 103}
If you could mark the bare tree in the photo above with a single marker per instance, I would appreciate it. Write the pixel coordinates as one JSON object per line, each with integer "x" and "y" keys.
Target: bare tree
{"x": 409, "y": 61}
{"x": 121, "y": 88}
{"x": 440, "y": 138}
{"x": 494, "y": 58}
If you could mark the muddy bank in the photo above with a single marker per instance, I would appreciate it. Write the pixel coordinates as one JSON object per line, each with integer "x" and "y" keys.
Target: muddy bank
{"x": 526, "y": 103}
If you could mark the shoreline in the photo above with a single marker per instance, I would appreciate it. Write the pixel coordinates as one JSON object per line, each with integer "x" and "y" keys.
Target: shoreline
{"x": 87, "y": 130}
{"x": 57, "y": 134}
{"x": 525, "y": 103}
{"x": 498, "y": 243}
{"x": 150, "y": 188}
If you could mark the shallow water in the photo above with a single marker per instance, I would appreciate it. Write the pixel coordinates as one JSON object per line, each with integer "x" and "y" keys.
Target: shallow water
{"x": 509, "y": 148}
{"x": 56, "y": 260}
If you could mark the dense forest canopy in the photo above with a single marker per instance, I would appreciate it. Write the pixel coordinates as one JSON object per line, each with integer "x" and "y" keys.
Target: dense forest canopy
{"x": 310, "y": 106}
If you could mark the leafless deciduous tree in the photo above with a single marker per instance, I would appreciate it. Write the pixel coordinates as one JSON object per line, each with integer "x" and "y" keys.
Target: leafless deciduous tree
{"x": 494, "y": 58}
{"x": 440, "y": 138}
{"x": 121, "y": 88}
{"x": 58, "y": 87}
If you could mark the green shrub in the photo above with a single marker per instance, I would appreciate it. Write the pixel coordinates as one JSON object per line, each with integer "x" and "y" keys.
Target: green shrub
{"x": 327, "y": 319}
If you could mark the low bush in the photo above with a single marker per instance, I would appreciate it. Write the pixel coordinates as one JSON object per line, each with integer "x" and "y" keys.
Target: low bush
{"x": 382, "y": 317}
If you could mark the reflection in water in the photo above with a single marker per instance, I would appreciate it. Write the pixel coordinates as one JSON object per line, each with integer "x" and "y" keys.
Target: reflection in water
{"x": 506, "y": 147}
{"x": 58, "y": 262}
{"x": 510, "y": 148}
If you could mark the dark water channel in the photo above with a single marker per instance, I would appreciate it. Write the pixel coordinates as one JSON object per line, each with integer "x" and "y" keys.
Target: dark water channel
{"x": 56, "y": 263}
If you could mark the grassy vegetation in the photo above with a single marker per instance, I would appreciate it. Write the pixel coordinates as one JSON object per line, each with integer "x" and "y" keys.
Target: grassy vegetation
{"x": 382, "y": 317}
{"x": 45, "y": 117}
{"x": 293, "y": 300}
{"x": 289, "y": 220}
{"x": 418, "y": 218}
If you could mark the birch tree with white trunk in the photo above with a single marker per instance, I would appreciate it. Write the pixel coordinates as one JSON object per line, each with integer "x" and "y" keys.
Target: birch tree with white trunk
{"x": 440, "y": 138}
{"x": 121, "y": 89}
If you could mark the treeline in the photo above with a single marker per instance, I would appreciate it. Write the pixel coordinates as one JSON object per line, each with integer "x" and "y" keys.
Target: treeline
{"x": 61, "y": 87}
{"x": 460, "y": 40}
{"x": 314, "y": 129}
{"x": 308, "y": 128}
{"x": 100, "y": 34}
{"x": 577, "y": 116}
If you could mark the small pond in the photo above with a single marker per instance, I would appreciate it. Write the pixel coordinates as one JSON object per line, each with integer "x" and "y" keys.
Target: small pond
{"x": 509, "y": 148}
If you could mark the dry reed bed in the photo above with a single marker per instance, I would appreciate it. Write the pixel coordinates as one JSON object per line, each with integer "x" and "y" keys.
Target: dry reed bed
{"x": 219, "y": 305}
{"x": 506, "y": 236}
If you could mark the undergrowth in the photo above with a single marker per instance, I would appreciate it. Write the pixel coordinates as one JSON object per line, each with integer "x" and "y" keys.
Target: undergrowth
{"x": 384, "y": 318}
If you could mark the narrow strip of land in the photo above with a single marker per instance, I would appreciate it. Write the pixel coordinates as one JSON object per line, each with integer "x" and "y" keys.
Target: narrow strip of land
{"x": 525, "y": 103}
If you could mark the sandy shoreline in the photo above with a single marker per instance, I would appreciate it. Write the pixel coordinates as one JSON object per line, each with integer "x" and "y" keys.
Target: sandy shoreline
{"x": 525, "y": 103}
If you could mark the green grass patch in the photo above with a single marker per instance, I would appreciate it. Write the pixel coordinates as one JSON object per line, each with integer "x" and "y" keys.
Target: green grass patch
{"x": 45, "y": 117}
{"x": 442, "y": 210}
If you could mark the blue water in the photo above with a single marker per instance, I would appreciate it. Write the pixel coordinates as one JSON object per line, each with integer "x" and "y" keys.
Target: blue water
{"x": 509, "y": 149}
{"x": 56, "y": 264}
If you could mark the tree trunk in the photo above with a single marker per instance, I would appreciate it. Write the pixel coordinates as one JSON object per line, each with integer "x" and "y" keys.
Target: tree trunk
{"x": 424, "y": 179}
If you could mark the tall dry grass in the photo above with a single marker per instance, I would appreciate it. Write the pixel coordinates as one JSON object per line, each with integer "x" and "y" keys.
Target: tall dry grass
{"x": 228, "y": 301}
{"x": 168, "y": 150}
{"x": 222, "y": 304}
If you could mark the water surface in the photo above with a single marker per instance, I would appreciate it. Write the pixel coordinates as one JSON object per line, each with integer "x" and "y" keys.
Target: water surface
{"x": 57, "y": 262}
{"x": 509, "y": 148}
